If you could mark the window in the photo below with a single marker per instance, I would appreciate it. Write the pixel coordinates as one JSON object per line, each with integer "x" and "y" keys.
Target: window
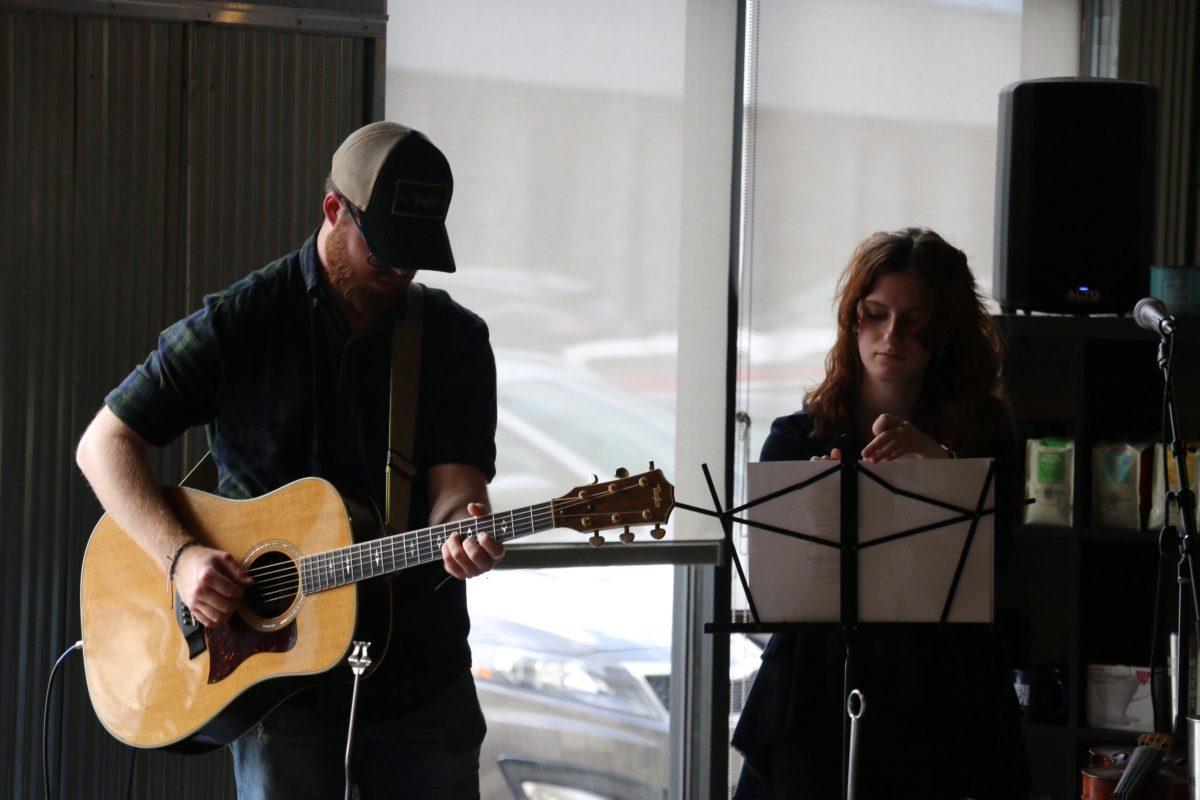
{"x": 590, "y": 144}
{"x": 860, "y": 116}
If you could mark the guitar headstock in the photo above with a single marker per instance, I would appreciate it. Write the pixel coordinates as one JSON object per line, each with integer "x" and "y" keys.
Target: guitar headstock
{"x": 1160, "y": 741}
{"x": 621, "y": 502}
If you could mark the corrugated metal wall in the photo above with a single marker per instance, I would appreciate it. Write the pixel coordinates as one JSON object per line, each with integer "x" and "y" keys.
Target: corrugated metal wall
{"x": 1158, "y": 45}
{"x": 287, "y": 101}
{"x": 145, "y": 164}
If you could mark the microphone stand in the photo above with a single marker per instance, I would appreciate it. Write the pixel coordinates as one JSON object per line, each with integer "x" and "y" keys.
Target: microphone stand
{"x": 1185, "y": 500}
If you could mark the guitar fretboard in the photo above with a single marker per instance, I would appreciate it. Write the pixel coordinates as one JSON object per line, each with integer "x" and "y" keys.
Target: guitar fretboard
{"x": 391, "y": 554}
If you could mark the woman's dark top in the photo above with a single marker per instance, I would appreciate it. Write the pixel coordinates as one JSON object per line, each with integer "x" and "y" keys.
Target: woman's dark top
{"x": 941, "y": 719}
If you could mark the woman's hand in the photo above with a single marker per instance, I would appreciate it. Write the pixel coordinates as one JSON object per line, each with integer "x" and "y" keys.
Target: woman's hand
{"x": 834, "y": 455}
{"x": 898, "y": 438}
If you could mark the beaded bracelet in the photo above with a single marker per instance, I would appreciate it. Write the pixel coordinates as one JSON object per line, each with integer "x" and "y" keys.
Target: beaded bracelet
{"x": 175, "y": 562}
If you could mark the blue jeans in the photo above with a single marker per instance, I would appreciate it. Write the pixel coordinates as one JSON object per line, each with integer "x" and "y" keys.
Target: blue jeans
{"x": 432, "y": 752}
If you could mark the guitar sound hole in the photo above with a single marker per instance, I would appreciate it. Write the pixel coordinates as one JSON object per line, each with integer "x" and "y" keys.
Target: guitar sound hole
{"x": 276, "y": 583}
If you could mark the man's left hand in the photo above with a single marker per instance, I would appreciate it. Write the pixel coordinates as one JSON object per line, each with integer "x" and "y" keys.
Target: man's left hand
{"x": 466, "y": 557}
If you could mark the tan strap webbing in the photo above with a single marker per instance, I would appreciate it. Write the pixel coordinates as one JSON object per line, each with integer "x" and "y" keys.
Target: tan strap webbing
{"x": 202, "y": 475}
{"x": 402, "y": 421}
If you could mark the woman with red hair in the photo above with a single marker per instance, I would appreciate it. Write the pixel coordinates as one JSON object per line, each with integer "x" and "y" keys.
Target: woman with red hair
{"x": 915, "y": 373}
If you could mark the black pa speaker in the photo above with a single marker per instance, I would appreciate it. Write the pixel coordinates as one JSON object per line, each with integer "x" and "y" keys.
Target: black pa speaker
{"x": 1075, "y": 175}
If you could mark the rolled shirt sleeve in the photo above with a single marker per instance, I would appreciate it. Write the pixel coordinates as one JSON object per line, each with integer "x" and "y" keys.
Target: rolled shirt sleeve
{"x": 179, "y": 383}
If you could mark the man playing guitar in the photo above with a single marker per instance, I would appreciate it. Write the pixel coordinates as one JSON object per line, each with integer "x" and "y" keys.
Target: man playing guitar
{"x": 288, "y": 370}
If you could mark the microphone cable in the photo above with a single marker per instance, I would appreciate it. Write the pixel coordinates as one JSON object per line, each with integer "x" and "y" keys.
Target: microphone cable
{"x": 46, "y": 729}
{"x": 1162, "y": 550}
{"x": 46, "y": 716}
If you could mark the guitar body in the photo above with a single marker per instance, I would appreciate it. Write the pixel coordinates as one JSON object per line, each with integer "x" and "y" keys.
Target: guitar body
{"x": 158, "y": 679}
{"x": 1151, "y": 772}
{"x": 154, "y": 685}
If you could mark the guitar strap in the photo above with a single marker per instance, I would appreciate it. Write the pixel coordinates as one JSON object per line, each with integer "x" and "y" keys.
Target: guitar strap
{"x": 402, "y": 422}
{"x": 202, "y": 475}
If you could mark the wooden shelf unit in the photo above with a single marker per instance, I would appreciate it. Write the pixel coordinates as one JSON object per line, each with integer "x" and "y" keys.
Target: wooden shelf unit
{"x": 1079, "y": 595}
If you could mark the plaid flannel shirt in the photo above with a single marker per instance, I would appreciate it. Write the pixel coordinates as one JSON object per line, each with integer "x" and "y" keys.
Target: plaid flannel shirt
{"x": 284, "y": 391}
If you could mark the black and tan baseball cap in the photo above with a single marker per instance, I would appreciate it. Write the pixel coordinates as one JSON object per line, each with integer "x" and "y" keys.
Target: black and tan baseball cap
{"x": 401, "y": 185}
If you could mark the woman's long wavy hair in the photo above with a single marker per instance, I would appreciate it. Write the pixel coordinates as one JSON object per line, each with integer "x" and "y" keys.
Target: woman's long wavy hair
{"x": 962, "y": 402}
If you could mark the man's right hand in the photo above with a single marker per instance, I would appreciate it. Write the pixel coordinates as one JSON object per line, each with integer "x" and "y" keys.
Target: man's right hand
{"x": 210, "y": 583}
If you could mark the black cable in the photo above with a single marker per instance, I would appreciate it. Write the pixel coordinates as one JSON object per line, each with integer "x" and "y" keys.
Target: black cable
{"x": 46, "y": 716}
{"x": 1154, "y": 626}
{"x": 129, "y": 780}
{"x": 1162, "y": 537}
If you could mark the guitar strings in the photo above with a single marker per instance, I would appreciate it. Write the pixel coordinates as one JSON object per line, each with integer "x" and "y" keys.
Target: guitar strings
{"x": 282, "y": 585}
{"x": 371, "y": 547}
{"x": 426, "y": 545}
{"x": 268, "y": 569}
{"x": 539, "y": 509}
{"x": 276, "y": 581}
{"x": 422, "y": 547}
{"x": 427, "y": 542}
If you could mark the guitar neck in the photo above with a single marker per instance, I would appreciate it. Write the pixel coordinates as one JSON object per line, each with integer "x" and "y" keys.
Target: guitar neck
{"x": 1141, "y": 765}
{"x": 391, "y": 554}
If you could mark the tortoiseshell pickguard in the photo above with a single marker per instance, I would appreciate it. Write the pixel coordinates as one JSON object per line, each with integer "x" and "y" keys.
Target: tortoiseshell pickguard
{"x": 235, "y": 641}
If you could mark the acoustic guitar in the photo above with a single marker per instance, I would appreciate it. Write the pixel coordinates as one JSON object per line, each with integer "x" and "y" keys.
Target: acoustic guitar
{"x": 1152, "y": 771}
{"x": 159, "y": 679}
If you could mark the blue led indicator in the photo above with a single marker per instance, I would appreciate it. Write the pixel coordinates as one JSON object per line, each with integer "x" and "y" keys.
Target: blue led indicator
{"x": 1083, "y": 288}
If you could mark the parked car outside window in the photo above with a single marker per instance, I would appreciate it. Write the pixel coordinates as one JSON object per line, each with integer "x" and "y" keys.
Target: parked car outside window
{"x": 573, "y": 666}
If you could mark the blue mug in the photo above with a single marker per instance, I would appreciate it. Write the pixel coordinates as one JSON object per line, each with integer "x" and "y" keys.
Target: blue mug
{"x": 1042, "y": 693}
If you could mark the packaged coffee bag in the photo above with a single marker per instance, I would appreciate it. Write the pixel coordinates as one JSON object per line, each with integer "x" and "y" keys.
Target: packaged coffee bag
{"x": 1121, "y": 484}
{"x": 1049, "y": 477}
{"x": 1158, "y": 490}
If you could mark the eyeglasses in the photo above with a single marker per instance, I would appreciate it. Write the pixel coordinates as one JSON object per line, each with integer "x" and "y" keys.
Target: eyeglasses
{"x": 371, "y": 258}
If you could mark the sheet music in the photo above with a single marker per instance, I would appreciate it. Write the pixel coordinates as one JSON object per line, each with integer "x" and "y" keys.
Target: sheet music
{"x": 793, "y": 580}
{"x": 905, "y": 580}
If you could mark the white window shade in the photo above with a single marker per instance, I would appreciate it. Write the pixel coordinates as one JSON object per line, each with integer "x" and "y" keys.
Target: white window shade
{"x": 862, "y": 116}
{"x": 591, "y": 147}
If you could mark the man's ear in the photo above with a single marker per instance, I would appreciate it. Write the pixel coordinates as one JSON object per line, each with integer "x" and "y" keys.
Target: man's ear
{"x": 331, "y": 206}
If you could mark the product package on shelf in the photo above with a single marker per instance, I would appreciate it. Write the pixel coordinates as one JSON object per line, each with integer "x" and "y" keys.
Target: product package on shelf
{"x": 1121, "y": 474}
{"x": 1049, "y": 476}
{"x": 1158, "y": 490}
{"x": 1119, "y": 696}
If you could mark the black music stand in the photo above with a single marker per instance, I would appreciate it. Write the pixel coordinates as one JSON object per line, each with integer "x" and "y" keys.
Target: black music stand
{"x": 849, "y": 547}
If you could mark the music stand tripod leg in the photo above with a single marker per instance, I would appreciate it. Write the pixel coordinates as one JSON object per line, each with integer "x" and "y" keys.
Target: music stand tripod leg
{"x": 359, "y": 661}
{"x": 856, "y": 706}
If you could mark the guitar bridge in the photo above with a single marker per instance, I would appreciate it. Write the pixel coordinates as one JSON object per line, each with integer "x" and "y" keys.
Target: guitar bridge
{"x": 192, "y": 630}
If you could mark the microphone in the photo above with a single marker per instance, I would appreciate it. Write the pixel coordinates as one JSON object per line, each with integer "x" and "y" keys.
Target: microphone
{"x": 1151, "y": 314}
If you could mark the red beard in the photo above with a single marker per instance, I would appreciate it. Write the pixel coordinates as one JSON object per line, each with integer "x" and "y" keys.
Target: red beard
{"x": 352, "y": 290}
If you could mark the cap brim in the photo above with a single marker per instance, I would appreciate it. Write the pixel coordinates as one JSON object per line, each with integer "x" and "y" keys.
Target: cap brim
{"x": 409, "y": 243}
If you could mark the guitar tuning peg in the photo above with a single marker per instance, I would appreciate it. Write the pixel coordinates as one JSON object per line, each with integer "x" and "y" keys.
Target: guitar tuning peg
{"x": 622, "y": 472}
{"x": 627, "y": 536}
{"x": 658, "y": 532}
{"x": 596, "y": 540}
{"x": 595, "y": 479}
